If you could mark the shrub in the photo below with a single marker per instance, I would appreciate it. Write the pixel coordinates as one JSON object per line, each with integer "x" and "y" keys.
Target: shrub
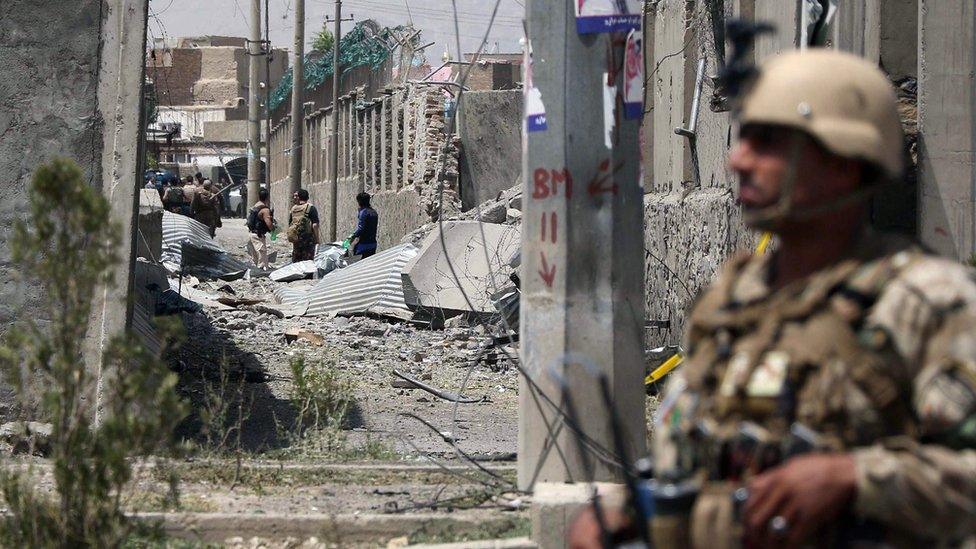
{"x": 101, "y": 417}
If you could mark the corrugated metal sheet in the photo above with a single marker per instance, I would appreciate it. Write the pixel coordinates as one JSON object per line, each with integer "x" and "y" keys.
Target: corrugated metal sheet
{"x": 143, "y": 327}
{"x": 294, "y": 271}
{"x": 371, "y": 285}
{"x": 187, "y": 245}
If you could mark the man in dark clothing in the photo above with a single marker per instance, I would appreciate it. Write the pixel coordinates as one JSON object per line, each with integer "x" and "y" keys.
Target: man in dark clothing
{"x": 304, "y": 236}
{"x": 366, "y": 227}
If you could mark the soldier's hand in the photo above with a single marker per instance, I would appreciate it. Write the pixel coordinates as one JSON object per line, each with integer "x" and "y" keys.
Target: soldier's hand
{"x": 798, "y": 497}
{"x": 585, "y": 533}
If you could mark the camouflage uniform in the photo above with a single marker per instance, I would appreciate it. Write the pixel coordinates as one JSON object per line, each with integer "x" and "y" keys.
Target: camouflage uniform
{"x": 876, "y": 354}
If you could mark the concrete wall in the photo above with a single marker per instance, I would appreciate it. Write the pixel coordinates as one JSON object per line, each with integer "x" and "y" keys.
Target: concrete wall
{"x": 390, "y": 146}
{"x": 71, "y": 87}
{"x": 691, "y": 227}
{"x": 947, "y": 140}
{"x": 899, "y": 38}
{"x": 40, "y": 117}
{"x": 490, "y": 128}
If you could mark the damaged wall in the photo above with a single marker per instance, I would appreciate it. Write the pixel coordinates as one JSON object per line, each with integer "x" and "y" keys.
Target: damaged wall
{"x": 490, "y": 127}
{"x": 72, "y": 78}
{"x": 691, "y": 227}
{"x": 390, "y": 146}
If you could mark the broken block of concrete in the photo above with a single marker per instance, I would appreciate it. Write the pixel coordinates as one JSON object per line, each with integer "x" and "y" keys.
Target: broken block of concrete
{"x": 494, "y": 213}
{"x": 27, "y": 437}
{"x": 371, "y": 285}
{"x": 479, "y": 254}
{"x": 294, "y": 334}
{"x": 555, "y": 506}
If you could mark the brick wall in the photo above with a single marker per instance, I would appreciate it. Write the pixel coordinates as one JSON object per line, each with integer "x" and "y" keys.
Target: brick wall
{"x": 174, "y": 72}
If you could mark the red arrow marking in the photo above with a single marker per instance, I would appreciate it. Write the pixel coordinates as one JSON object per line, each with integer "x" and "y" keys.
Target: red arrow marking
{"x": 598, "y": 185}
{"x": 547, "y": 273}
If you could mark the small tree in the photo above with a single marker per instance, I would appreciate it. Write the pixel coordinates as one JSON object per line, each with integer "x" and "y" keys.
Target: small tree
{"x": 68, "y": 246}
{"x": 324, "y": 40}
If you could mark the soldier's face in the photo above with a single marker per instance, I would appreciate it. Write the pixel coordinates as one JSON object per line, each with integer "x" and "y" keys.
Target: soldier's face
{"x": 762, "y": 159}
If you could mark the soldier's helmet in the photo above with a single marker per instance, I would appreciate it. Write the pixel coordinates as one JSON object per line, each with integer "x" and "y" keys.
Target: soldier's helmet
{"x": 843, "y": 101}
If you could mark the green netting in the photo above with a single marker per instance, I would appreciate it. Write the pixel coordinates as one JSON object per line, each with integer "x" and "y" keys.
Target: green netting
{"x": 365, "y": 45}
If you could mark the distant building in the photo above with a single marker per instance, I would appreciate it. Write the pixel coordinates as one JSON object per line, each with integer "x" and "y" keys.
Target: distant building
{"x": 494, "y": 71}
{"x": 201, "y": 87}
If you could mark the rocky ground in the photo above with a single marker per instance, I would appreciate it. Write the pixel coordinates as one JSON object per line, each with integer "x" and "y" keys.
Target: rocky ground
{"x": 365, "y": 351}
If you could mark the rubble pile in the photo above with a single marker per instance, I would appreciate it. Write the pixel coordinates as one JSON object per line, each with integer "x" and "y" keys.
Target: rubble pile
{"x": 463, "y": 279}
{"x": 506, "y": 209}
{"x": 414, "y": 336}
{"x": 260, "y": 346}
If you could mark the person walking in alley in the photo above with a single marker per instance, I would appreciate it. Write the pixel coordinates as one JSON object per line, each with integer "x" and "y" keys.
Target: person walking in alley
{"x": 173, "y": 198}
{"x": 260, "y": 221}
{"x": 189, "y": 190}
{"x": 365, "y": 228}
{"x": 206, "y": 207}
{"x": 303, "y": 227}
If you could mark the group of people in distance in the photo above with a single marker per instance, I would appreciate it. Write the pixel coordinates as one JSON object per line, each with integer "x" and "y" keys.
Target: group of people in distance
{"x": 303, "y": 228}
{"x": 193, "y": 197}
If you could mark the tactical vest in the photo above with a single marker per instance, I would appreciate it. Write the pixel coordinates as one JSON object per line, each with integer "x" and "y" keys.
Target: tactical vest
{"x": 806, "y": 356}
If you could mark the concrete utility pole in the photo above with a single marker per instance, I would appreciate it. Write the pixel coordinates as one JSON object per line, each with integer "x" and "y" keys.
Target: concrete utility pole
{"x": 254, "y": 50}
{"x": 297, "y": 87}
{"x": 582, "y": 255}
{"x": 334, "y": 148}
{"x": 267, "y": 96}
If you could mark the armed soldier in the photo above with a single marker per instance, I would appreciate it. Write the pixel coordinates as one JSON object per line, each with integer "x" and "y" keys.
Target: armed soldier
{"x": 829, "y": 390}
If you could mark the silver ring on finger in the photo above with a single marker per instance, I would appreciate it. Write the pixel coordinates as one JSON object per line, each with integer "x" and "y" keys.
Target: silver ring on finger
{"x": 779, "y": 526}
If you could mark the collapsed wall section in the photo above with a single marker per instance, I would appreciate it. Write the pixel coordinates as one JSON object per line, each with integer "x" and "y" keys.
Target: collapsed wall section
{"x": 393, "y": 146}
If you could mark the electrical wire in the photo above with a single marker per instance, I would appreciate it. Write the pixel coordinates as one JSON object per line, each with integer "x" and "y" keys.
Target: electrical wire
{"x": 598, "y": 450}
{"x": 406, "y": 4}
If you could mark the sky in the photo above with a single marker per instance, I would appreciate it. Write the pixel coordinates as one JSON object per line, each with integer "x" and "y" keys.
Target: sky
{"x": 177, "y": 18}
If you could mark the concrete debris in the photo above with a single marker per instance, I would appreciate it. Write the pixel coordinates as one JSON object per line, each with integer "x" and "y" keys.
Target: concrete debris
{"x": 234, "y": 301}
{"x": 30, "y": 437}
{"x": 494, "y": 213}
{"x": 186, "y": 290}
{"x": 294, "y": 334}
{"x": 371, "y": 285}
{"x": 478, "y": 254}
{"x": 499, "y": 209}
